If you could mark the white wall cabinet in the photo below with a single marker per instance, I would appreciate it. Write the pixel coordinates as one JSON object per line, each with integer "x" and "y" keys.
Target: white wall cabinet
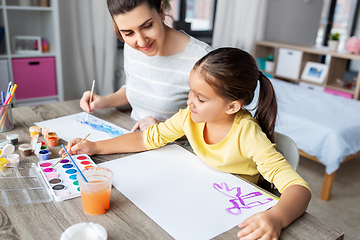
{"x": 31, "y": 70}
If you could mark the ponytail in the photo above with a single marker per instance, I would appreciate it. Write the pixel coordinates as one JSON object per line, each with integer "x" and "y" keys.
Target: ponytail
{"x": 266, "y": 110}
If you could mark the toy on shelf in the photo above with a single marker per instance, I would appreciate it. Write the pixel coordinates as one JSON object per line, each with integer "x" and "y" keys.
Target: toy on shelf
{"x": 44, "y": 45}
{"x": 353, "y": 45}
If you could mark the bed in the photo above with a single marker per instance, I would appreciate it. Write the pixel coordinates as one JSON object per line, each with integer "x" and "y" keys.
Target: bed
{"x": 325, "y": 127}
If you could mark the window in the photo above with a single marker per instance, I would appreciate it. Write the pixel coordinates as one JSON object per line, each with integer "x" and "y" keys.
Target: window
{"x": 338, "y": 16}
{"x": 196, "y": 17}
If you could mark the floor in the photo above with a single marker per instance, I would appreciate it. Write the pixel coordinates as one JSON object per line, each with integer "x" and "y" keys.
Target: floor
{"x": 342, "y": 211}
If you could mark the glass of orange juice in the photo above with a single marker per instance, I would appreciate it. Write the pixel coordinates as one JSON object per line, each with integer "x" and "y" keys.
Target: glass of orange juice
{"x": 95, "y": 193}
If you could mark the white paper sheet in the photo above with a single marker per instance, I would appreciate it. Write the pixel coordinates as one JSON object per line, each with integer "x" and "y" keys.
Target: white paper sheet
{"x": 74, "y": 126}
{"x": 183, "y": 195}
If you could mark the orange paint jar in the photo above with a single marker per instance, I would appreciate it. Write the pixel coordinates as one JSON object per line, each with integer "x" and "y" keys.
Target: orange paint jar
{"x": 52, "y": 139}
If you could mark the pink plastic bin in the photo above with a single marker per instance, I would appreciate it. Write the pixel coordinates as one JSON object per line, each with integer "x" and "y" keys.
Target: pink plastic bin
{"x": 35, "y": 77}
{"x": 346, "y": 95}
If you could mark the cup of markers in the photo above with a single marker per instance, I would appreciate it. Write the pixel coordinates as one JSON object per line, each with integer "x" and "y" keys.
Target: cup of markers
{"x": 6, "y": 119}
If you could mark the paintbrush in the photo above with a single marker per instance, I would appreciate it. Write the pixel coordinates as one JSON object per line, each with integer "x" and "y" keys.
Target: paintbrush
{"x": 65, "y": 154}
{"x": 92, "y": 91}
{"x": 74, "y": 163}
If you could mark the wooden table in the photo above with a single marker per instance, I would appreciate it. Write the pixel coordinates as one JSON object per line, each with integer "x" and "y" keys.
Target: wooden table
{"x": 124, "y": 220}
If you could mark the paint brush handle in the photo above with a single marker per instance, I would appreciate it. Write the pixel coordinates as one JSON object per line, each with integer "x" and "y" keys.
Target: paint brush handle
{"x": 62, "y": 145}
{"x": 90, "y": 100}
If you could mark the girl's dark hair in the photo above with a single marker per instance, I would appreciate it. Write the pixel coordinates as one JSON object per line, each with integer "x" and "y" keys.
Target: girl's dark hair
{"x": 117, "y": 7}
{"x": 233, "y": 74}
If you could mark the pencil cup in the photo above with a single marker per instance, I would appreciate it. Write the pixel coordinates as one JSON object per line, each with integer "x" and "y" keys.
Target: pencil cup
{"x": 95, "y": 194}
{"x": 6, "y": 119}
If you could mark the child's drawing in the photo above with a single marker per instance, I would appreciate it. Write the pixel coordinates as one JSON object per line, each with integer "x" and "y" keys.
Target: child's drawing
{"x": 99, "y": 126}
{"x": 246, "y": 201}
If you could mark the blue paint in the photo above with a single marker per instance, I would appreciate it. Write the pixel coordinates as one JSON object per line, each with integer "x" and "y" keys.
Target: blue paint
{"x": 99, "y": 126}
{"x": 73, "y": 177}
{"x": 68, "y": 165}
{"x": 71, "y": 171}
{"x": 44, "y": 155}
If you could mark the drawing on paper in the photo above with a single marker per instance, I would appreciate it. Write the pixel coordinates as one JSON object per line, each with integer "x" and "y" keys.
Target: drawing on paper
{"x": 99, "y": 126}
{"x": 238, "y": 201}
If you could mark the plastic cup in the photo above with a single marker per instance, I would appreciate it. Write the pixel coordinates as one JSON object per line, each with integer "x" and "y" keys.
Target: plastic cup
{"x": 95, "y": 194}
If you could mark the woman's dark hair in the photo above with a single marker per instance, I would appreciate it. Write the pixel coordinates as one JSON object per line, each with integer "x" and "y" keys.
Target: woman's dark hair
{"x": 233, "y": 74}
{"x": 117, "y": 7}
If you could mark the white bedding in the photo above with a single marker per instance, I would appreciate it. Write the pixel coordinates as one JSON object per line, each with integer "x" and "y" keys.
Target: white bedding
{"x": 321, "y": 124}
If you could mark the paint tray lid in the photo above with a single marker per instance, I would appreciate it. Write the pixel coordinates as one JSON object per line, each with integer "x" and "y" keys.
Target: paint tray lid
{"x": 23, "y": 185}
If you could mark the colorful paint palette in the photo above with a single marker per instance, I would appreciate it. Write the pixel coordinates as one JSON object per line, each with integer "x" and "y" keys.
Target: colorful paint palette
{"x": 62, "y": 179}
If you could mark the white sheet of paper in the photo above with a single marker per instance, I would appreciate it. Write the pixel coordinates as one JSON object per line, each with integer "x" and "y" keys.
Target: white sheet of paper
{"x": 183, "y": 195}
{"x": 74, "y": 126}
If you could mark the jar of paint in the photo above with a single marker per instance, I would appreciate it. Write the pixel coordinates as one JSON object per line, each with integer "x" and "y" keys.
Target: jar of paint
{"x": 12, "y": 159}
{"x": 34, "y": 130}
{"x": 81, "y": 231}
{"x": 25, "y": 150}
{"x": 13, "y": 138}
{"x": 43, "y": 147}
{"x": 3, "y": 164}
{"x": 44, "y": 155}
{"x": 52, "y": 139}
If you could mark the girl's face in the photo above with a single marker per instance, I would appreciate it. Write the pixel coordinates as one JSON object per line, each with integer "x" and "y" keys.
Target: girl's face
{"x": 205, "y": 104}
{"x": 142, "y": 29}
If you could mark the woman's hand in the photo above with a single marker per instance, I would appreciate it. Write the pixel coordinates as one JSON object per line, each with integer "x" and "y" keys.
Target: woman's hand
{"x": 144, "y": 123}
{"x": 74, "y": 147}
{"x": 97, "y": 102}
{"x": 264, "y": 225}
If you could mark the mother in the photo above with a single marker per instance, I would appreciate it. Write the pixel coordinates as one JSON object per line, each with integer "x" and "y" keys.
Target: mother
{"x": 157, "y": 63}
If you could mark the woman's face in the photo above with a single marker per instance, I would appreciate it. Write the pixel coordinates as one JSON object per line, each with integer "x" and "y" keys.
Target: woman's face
{"x": 142, "y": 29}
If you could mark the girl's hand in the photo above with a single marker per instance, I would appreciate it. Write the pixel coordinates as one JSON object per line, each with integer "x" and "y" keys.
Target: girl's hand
{"x": 74, "y": 147}
{"x": 144, "y": 123}
{"x": 97, "y": 102}
{"x": 263, "y": 225}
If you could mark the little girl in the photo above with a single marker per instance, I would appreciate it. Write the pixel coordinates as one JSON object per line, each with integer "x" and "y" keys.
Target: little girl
{"x": 225, "y": 135}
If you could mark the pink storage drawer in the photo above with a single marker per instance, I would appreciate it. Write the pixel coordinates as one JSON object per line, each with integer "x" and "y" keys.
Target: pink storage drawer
{"x": 346, "y": 95}
{"x": 35, "y": 77}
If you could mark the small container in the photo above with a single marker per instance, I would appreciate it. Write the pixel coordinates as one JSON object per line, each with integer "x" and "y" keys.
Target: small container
{"x": 25, "y": 150}
{"x": 43, "y": 147}
{"x": 52, "y": 139}
{"x": 44, "y": 155}
{"x": 13, "y": 138}
{"x": 12, "y": 159}
{"x": 42, "y": 143}
{"x": 34, "y": 130}
{"x": 85, "y": 230}
{"x": 3, "y": 164}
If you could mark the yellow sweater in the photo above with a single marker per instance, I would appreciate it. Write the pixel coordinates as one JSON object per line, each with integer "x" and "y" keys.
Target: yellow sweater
{"x": 245, "y": 150}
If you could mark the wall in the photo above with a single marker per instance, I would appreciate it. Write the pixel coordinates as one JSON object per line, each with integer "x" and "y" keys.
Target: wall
{"x": 293, "y": 21}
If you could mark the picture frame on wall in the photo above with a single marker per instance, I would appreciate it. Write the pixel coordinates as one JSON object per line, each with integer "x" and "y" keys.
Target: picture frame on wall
{"x": 314, "y": 72}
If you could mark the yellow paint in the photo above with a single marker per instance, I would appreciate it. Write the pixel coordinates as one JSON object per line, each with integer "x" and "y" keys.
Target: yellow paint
{"x": 3, "y": 164}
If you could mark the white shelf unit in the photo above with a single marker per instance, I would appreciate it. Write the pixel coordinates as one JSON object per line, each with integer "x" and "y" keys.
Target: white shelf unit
{"x": 42, "y": 21}
{"x": 337, "y": 65}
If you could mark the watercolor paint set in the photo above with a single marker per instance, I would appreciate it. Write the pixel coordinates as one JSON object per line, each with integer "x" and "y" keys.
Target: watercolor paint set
{"x": 62, "y": 177}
